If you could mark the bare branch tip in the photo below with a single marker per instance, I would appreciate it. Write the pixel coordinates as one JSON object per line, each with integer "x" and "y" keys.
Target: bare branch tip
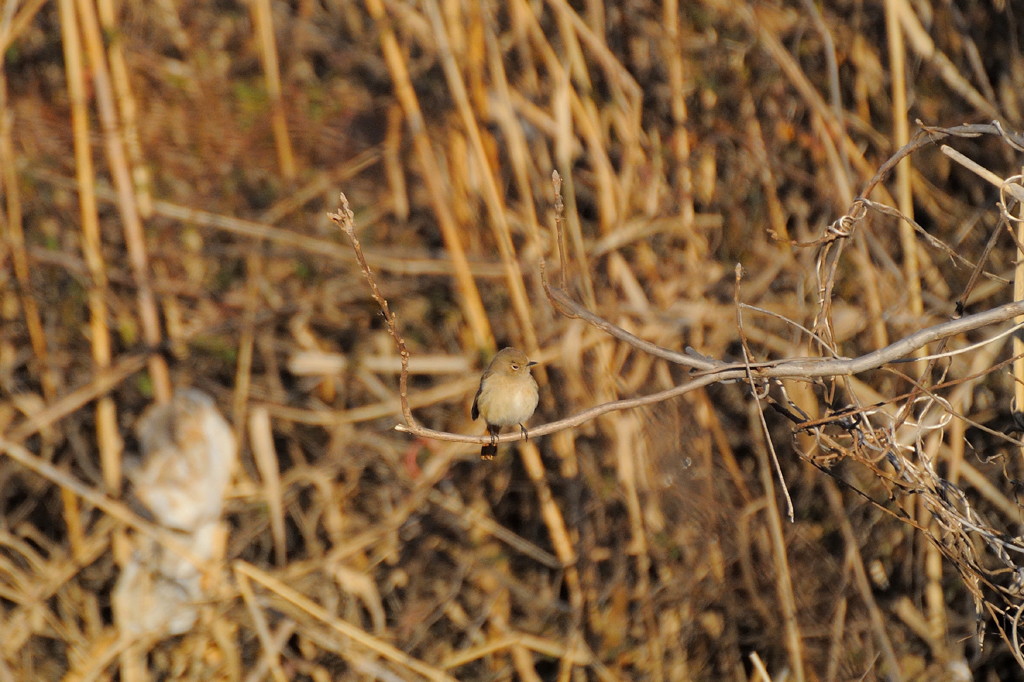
{"x": 343, "y": 217}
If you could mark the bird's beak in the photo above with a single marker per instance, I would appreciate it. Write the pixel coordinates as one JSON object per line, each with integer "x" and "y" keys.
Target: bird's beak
{"x": 531, "y": 364}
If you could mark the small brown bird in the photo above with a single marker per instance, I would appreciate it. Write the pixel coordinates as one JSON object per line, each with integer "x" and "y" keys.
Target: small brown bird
{"x": 507, "y": 395}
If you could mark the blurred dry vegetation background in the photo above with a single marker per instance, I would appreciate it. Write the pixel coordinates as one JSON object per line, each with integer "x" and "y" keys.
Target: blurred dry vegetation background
{"x": 167, "y": 171}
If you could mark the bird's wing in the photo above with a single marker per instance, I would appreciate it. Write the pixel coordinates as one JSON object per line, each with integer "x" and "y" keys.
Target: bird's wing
{"x": 474, "y": 411}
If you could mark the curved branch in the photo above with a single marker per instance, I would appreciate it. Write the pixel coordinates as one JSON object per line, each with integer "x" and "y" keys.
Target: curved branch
{"x": 796, "y": 368}
{"x": 570, "y": 308}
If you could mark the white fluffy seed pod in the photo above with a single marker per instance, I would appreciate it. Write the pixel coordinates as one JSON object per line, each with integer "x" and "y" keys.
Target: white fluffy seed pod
{"x": 188, "y": 454}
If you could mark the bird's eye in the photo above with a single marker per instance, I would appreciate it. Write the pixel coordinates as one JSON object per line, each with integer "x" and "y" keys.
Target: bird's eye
{"x": 515, "y": 366}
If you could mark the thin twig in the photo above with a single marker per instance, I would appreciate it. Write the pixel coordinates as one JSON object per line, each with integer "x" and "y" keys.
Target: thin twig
{"x": 757, "y": 397}
{"x": 556, "y": 182}
{"x": 345, "y": 220}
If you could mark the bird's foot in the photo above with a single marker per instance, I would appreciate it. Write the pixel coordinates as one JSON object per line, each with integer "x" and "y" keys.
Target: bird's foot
{"x": 489, "y": 451}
